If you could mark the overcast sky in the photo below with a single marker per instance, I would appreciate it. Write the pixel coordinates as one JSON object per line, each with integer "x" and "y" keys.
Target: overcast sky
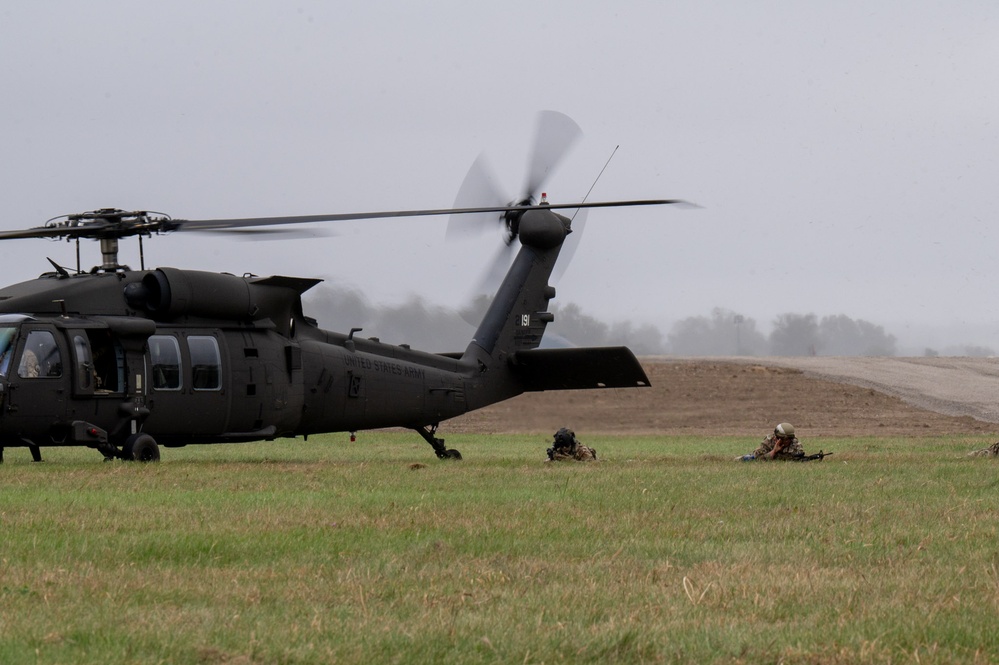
{"x": 845, "y": 154}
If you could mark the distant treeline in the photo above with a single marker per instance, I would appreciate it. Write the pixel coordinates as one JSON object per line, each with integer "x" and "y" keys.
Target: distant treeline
{"x": 729, "y": 333}
{"x": 722, "y": 333}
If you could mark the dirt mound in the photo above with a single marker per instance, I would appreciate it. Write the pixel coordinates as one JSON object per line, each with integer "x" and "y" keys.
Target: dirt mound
{"x": 740, "y": 397}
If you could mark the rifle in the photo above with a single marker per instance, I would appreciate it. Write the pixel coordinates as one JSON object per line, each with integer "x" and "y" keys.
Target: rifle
{"x": 808, "y": 458}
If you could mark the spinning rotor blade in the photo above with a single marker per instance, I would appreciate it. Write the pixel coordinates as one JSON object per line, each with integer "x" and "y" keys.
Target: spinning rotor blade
{"x": 498, "y": 268}
{"x": 478, "y": 188}
{"x": 570, "y": 245}
{"x": 489, "y": 283}
{"x": 555, "y": 134}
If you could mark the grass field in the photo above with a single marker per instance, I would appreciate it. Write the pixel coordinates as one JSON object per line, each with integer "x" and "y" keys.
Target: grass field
{"x": 666, "y": 550}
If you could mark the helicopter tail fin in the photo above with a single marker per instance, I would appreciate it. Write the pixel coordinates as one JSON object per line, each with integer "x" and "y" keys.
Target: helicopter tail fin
{"x": 518, "y": 314}
{"x": 504, "y": 352}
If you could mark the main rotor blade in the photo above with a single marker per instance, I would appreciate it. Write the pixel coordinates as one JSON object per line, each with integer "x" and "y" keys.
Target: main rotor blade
{"x": 555, "y": 134}
{"x": 212, "y": 224}
{"x": 252, "y": 233}
{"x": 122, "y": 228}
{"x": 36, "y": 232}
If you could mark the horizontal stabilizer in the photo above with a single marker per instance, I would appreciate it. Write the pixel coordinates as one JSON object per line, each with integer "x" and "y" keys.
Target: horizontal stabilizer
{"x": 578, "y": 369}
{"x": 298, "y": 284}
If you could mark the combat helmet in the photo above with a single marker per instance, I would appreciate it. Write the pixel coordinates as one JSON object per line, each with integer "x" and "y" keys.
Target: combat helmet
{"x": 565, "y": 439}
{"x": 784, "y": 431}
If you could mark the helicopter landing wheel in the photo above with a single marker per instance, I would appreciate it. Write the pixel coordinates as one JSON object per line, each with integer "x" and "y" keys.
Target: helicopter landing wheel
{"x": 140, "y": 448}
{"x": 438, "y": 444}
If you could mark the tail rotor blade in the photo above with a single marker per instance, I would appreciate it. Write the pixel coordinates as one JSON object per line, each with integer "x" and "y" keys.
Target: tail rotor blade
{"x": 490, "y": 281}
{"x": 478, "y": 190}
{"x": 556, "y": 132}
{"x": 497, "y": 269}
{"x": 570, "y": 244}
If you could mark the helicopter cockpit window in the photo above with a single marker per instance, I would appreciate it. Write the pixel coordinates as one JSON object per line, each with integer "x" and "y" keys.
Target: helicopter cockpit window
{"x": 206, "y": 363}
{"x": 41, "y": 357}
{"x": 6, "y": 347}
{"x": 164, "y": 355}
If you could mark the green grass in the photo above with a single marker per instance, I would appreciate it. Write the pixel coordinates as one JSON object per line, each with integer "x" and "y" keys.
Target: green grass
{"x": 666, "y": 550}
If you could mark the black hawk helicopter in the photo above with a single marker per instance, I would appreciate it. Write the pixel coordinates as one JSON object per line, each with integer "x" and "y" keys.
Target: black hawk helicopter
{"x": 124, "y": 361}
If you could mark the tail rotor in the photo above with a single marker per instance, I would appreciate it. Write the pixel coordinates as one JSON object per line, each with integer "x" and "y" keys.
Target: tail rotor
{"x": 554, "y": 136}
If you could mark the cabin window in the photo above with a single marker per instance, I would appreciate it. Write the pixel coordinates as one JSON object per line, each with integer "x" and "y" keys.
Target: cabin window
{"x": 109, "y": 361}
{"x": 206, "y": 363}
{"x": 86, "y": 376}
{"x": 6, "y": 347}
{"x": 41, "y": 357}
{"x": 164, "y": 356}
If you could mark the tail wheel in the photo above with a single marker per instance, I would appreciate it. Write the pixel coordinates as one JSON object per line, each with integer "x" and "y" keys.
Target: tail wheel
{"x": 141, "y": 448}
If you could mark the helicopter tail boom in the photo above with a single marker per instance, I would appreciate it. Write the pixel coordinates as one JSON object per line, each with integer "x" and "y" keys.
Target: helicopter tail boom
{"x": 518, "y": 315}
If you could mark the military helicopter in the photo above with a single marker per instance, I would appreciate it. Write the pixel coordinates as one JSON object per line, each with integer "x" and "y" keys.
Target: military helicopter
{"x": 124, "y": 361}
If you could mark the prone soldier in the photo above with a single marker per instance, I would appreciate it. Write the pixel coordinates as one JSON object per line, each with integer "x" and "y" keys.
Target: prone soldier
{"x": 991, "y": 451}
{"x": 782, "y": 445}
{"x": 567, "y": 447}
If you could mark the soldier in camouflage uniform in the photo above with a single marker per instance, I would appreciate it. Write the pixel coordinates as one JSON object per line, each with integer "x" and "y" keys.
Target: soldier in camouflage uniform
{"x": 991, "y": 451}
{"x": 567, "y": 447}
{"x": 781, "y": 445}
